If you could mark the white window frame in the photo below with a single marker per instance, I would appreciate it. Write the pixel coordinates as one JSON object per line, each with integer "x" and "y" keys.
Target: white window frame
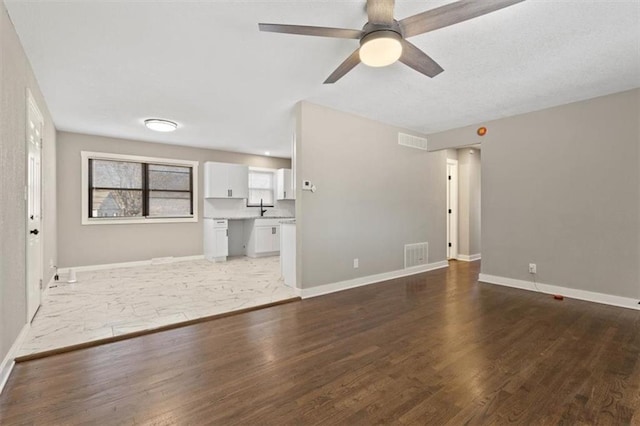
{"x": 88, "y": 155}
{"x": 263, "y": 169}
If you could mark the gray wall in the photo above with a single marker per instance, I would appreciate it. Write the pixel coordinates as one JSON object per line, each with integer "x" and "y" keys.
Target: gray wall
{"x": 373, "y": 197}
{"x": 560, "y": 188}
{"x": 15, "y": 77}
{"x": 102, "y": 244}
{"x": 469, "y": 212}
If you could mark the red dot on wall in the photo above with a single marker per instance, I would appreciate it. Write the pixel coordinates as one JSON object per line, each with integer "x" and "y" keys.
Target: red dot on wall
{"x": 482, "y": 131}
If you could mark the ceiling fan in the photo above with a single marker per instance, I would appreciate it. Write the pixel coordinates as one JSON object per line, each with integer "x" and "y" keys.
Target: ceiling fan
{"x": 383, "y": 39}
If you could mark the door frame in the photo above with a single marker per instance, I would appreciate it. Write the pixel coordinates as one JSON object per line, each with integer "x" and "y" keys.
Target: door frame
{"x": 31, "y": 104}
{"x": 452, "y": 205}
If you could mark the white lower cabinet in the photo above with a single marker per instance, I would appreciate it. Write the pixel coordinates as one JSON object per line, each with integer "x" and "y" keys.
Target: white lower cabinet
{"x": 264, "y": 237}
{"x": 222, "y": 243}
{"x": 216, "y": 240}
{"x": 260, "y": 237}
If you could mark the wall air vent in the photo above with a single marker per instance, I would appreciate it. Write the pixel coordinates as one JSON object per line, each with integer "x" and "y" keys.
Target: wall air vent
{"x": 412, "y": 141}
{"x": 416, "y": 254}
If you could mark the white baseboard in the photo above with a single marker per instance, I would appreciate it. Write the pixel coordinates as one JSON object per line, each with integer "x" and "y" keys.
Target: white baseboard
{"x": 469, "y": 258}
{"x": 8, "y": 361}
{"x": 370, "y": 279}
{"x": 129, "y": 264}
{"x": 589, "y": 296}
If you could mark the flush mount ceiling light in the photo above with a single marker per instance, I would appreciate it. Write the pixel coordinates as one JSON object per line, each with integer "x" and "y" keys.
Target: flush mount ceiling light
{"x": 160, "y": 125}
{"x": 380, "y": 48}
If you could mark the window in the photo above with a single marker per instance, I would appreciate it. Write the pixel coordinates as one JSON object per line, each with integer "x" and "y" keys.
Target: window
{"x": 130, "y": 189}
{"x": 261, "y": 187}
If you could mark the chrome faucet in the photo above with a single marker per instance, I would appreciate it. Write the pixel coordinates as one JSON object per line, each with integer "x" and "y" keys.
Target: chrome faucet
{"x": 262, "y": 211}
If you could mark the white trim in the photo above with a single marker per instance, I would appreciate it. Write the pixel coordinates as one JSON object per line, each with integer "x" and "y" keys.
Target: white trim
{"x": 370, "y": 279}
{"x": 137, "y": 158}
{"x": 32, "y": 101}
{"x": 117, "y": 221}
{"x": 589, "y": 296}
{"x": 86, "y": 155}
{"x": 127, "y": 264}
{"x": 469, "y": 258}
{"x": 452, "y": 203}
{"x": 32, "y": 104}
{"x": 8, "y": 361}
{"x": 263, "y": 169}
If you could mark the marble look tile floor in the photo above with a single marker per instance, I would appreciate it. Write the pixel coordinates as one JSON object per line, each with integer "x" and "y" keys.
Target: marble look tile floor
{"x": 112, "y": 302}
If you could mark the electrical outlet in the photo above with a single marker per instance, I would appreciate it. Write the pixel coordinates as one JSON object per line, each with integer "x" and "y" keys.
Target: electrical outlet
{"x": 355, "y": 263}
{"x": 532, "y": 268}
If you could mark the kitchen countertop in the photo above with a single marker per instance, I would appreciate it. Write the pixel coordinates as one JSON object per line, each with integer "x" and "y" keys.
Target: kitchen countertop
{"x": 288, "y": 221}
{"x": 249, "y": 217}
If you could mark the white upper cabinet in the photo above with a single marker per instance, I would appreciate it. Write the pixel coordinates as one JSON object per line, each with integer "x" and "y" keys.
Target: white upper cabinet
{"x": 223, "y": 180}
{"x": 239, "y": 181}
{"x": 284, "y": 185}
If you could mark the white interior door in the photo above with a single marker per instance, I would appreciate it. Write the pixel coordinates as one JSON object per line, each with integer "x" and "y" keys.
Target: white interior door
{"x": 35, "y": 124}
{"x": 452, "y": 209}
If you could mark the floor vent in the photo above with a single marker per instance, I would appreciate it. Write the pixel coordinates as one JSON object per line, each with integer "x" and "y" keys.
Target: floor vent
{"x": 412, "y": 141}
{"x": 416, "y": 254}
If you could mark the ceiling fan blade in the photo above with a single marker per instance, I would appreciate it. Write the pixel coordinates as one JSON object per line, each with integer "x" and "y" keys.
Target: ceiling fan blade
{"x": 380, "y": 11}
{"x": 311, "y": 31}
{"x": 450, "y": 14}
{"x": 418, "y": 60}
{"x": 345, "y": 67}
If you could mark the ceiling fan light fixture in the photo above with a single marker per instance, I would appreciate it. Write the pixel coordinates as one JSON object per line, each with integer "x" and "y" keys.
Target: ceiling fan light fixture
{"x": 160, "y": 125}
{"x": 380, "y": 48}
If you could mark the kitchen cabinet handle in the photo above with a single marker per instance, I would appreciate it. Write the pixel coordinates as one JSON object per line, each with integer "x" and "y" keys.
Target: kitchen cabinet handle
{"x": 285, "y": 194}
{"x": 227, "y": 232}
{"x": 273, "y": 230}
{"x": 229, "y": 193}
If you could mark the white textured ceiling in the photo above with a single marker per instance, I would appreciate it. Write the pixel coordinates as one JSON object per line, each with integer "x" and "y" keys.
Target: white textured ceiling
{"x": 104, "y": 66}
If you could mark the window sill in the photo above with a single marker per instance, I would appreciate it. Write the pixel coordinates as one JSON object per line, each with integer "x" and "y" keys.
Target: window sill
{"x": 130, "y": 221}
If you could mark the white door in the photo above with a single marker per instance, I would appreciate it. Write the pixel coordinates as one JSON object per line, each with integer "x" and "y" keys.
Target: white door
{"x": 35, "y": 125}
{"x": 452, "y": 209}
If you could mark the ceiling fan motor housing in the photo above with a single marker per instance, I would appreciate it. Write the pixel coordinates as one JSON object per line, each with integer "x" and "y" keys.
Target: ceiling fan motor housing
{"x": 370, "y": 30}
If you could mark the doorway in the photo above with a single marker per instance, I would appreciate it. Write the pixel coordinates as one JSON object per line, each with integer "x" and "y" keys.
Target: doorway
{"x": 452, "y": 209}
{"x": 34, "y": 257}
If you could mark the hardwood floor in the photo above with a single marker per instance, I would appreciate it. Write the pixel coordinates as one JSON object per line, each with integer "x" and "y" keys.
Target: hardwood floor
{"x": 436, "y": 348}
